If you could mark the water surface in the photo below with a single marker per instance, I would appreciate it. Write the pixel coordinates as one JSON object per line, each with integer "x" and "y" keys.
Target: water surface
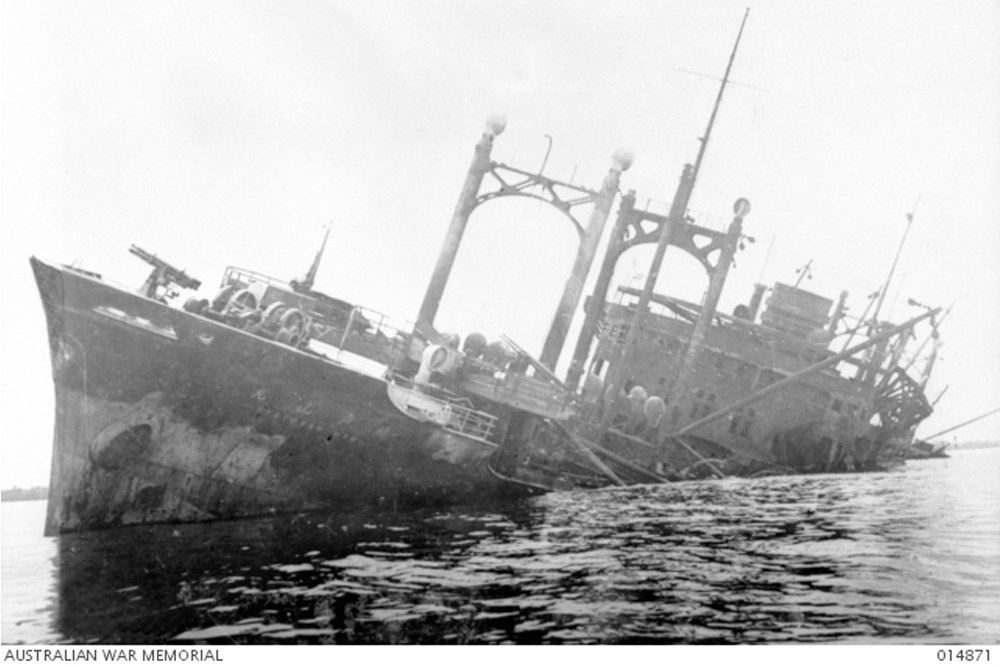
{"x": 911, "y": 555}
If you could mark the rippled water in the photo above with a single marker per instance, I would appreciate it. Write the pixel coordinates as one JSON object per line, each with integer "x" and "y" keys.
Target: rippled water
{"x": 907, "y": 556}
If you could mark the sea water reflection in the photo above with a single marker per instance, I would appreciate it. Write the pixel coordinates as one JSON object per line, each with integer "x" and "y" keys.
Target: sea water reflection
{"x": 904, "y": 556}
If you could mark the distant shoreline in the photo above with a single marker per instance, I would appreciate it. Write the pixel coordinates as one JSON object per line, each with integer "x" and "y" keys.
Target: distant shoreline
{"x": 985, "y": 444}
{"x": 17, "y": 494}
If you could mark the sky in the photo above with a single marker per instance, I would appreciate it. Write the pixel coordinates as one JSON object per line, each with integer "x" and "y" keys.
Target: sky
{"x": 232, "y": 133}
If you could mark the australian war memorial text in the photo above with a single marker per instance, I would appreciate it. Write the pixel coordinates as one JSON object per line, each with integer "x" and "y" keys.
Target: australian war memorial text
{"x": 111, "y": 655}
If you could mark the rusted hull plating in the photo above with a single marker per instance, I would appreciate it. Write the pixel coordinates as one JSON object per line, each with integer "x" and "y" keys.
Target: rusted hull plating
{"x": 162, "y": 415}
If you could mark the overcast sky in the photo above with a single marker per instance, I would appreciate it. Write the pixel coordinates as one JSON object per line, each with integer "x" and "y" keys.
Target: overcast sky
{"x": 230, "y": 133}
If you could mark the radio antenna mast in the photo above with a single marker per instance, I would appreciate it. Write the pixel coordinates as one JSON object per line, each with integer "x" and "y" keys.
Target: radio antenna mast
{"x": 892, "y": 269}
{"x": 715, "y": 109}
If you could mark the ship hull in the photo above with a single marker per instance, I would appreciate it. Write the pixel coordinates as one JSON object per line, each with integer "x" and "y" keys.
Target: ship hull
{"x": 163, "y": 415}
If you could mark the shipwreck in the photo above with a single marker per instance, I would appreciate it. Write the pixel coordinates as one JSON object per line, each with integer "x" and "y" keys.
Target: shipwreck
{"x": 271, "y": 396}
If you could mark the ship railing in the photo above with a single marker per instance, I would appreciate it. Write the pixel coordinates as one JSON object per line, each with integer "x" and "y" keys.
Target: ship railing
{"x": 654, "y": 206}
{"x": 472, "y": 423}
{"x": 375, "y": 320}
{"x": 525, "y": 392}
{"x": 381, "y": 324}
{"x": 718, "y": 223}
{"x": 452, "y": 413}
{"x": 363, "y": 325}
{"x": 367, "y": 333}
{"x": 245, "y": 276}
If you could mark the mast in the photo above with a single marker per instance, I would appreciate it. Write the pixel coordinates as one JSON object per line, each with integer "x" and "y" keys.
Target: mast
{"x": 892, "y": 269}
{"x": 711, "y": 122}
{"x": 803, "y": 272}
{"x": 676, "y": 216}
{"x": 307, "y": 282}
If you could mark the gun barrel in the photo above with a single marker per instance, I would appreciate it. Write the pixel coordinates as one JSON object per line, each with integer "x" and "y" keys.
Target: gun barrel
{"x": 139, "y": 252}
{"x": 169, "y": 271}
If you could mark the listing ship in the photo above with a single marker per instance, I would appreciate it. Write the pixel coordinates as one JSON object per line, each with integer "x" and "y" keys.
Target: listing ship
{"x": 274, "y": 397}
{"x": 226, "y": 408}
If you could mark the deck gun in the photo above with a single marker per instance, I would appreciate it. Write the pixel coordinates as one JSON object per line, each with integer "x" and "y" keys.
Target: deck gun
{"x": 163, "y": 275}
